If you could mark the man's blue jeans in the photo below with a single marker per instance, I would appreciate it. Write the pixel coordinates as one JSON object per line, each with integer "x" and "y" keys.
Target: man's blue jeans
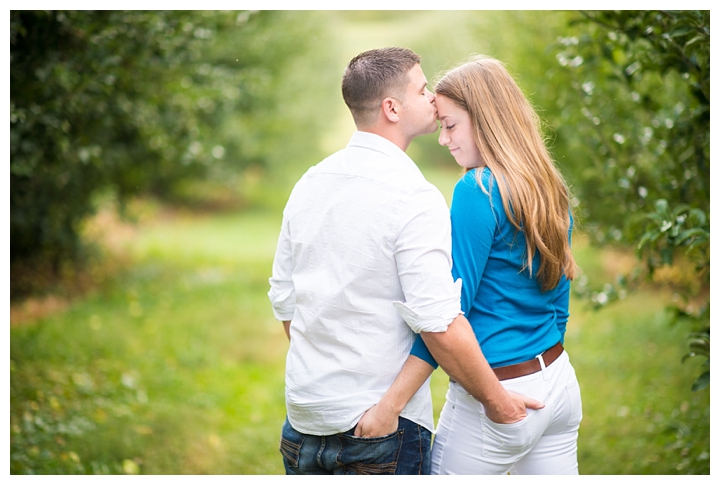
{"x": 404, "y": 452}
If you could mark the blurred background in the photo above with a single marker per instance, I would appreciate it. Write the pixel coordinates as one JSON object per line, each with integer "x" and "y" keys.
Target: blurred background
{"x": 151, "y": 154}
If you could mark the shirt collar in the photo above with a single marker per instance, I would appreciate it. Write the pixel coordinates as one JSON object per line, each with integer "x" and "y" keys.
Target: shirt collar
{"x": 363, "y": 139}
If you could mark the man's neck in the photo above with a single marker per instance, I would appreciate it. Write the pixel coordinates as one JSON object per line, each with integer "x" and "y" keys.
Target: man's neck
{"x": 391, "y": 135}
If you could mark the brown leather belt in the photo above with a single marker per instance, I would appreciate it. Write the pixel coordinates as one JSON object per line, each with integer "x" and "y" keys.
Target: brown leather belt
{"x": 528, "y": 367}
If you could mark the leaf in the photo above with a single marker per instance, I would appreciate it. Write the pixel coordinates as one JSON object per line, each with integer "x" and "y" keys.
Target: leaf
{"x": 666, "y": 256}
{"x": 700, "y": 347}
{"x": 661, "y": 206}
{"x": 689, "y": 233}
{"x": 698, "y": 216}
{"x": 680, "y": 31}
{"x": 697, "y": 38}
{"x": 655, "y": 217}
{"x": 648, "y": 236}
{"x": 699, "y": 242}
{"x": 702, "y": 382}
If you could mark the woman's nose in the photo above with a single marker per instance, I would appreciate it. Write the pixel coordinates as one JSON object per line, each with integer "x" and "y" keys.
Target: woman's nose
{"x": 444, "y": 138}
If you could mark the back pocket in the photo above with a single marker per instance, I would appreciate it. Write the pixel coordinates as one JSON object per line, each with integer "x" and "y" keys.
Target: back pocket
{"x": 370, "y": 456}
{"x": 572, "y": 391}
{"x": 505, "y": 442}
{"x": 290, "y": 443}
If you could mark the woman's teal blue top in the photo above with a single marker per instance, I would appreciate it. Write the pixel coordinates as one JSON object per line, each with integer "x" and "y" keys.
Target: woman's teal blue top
{"x": 512, "y": 318}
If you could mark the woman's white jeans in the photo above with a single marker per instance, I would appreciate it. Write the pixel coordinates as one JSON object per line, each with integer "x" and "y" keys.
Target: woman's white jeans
{"x": 545, "y": 442}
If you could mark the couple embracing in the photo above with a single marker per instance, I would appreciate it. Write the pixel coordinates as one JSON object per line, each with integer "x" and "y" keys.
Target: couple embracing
{"x": 377, "y": 284}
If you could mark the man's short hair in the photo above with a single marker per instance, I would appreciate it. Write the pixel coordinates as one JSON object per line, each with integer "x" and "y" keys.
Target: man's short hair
{"x": 374, "y": 75}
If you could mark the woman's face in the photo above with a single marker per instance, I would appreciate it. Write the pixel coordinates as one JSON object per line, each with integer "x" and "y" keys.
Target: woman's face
{"x": 456, "y": 132}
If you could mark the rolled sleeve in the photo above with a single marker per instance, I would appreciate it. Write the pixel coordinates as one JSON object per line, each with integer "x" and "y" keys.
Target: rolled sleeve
{"x": 283, "y": 303}
{"x": 282, "y": 289}
{"x": 443, "y": 313}
{"x": 424, "y": 263}
{"x": 419, "y": 349}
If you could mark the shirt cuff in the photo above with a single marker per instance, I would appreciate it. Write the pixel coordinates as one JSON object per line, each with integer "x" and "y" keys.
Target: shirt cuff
{"x": 439, "y": 319}
{"x": 283, "y": 303}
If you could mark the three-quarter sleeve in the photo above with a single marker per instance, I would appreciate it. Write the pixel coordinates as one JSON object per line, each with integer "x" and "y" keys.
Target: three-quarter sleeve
{"x": 473, "y": 226}
{"x": 561, "y": 303}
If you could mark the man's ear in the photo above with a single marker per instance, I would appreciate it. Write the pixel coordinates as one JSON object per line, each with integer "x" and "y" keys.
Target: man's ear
{"x": 390, "y": 109}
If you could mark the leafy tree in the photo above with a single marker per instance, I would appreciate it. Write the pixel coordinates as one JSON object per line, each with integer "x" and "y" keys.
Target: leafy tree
{"x": 639, "y": 117}
{"x": 89, "y": 108}
{"x": 129, "y": 102}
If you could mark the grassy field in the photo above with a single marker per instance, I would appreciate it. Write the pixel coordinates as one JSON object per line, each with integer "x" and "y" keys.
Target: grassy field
{"x": 175, "y": 365}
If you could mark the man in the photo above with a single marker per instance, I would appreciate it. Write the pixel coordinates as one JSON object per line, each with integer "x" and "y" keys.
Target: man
{"x": 363, "y": 231}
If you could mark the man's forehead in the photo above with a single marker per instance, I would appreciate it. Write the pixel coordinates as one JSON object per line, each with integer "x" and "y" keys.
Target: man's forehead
{"x": 417, "y": 76}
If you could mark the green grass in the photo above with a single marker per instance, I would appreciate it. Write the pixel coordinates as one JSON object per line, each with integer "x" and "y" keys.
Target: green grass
{"x": 176, "y": 367}
{"x": 637, "y": 399}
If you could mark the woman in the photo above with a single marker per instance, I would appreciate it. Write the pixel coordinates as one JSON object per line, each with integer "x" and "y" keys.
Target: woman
{"x": 511, "y": 227}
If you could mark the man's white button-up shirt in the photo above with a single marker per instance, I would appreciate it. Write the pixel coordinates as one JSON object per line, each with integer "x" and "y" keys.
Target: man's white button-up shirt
{"x": 362, "y": 264}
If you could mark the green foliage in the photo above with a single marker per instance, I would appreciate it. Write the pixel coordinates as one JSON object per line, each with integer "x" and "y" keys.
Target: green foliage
{"x": 59, "y": 405}
{"x": 140, "y": 101}
{"x": 637, "y": 119}
{"x": 93, "y": 104}
{"x": 638, "y": 113}
{"x": 639, "y": 412}
{"x": 699, "y": 345}
{"x": 277, "y": 70}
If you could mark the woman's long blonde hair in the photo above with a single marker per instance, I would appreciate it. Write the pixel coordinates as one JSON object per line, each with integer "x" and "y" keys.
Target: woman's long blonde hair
{"x": 508, "y": 134}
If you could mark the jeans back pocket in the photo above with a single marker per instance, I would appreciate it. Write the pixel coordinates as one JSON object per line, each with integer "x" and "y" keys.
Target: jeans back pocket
{"x": 370, "y": 456}
{"x": 291, "y": 442}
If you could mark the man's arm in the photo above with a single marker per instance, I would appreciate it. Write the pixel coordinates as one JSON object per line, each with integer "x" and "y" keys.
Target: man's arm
{"x": 424, "y": 262}
{"x": 458, "y": 353}
{"x": 286, "y": 324}
{"x": 282, "y": 288}
{"x": 382, "y": 419}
